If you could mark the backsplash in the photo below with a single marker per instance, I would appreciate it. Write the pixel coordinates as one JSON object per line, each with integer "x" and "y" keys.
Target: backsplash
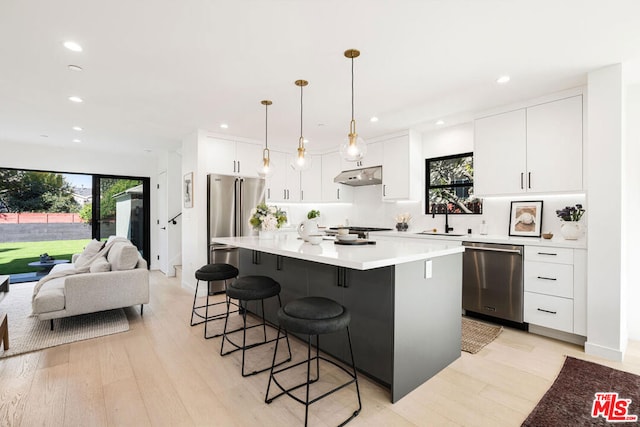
{"x": 368, "y": 209}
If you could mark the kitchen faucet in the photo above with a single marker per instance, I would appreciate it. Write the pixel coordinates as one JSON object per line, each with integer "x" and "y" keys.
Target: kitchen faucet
{"x": 447, "y": 229}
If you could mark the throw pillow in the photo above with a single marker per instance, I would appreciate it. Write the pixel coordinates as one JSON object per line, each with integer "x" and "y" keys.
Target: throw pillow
{"x": 91, "y": 250}
{"x": 123, "y": 256}
{"x": 100, "y": 265}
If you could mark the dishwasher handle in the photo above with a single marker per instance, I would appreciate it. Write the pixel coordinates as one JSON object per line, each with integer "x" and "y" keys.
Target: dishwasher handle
{"x": 479, "y": 248}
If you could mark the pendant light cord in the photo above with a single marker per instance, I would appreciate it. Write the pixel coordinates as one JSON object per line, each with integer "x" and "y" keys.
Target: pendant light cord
{"x": 301, "y": 115}
{"x": 352, "y": 92}
{"x": 266, "y": 124}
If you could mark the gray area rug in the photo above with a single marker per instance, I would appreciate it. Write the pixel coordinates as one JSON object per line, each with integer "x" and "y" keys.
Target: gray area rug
{"x": 27, "y": 333}
{"x": 475, "y": 334}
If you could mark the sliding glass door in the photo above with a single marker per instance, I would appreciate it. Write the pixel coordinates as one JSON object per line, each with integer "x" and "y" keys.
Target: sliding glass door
{"x": 121, "y": 208}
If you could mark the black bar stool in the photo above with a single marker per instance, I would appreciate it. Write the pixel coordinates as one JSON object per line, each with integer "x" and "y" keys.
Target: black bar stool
{"x": 211, "y": 273}
{"x": 251, "y": 288}
{"x": 313, "y": 316}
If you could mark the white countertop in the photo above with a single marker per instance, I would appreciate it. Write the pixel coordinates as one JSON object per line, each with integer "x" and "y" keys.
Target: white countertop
{"x": 556, "y": 241}
{"x": 361, "y": 257}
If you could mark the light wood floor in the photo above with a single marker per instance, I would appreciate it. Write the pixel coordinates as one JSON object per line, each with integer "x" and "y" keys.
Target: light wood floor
{"x": 162, "y": 372}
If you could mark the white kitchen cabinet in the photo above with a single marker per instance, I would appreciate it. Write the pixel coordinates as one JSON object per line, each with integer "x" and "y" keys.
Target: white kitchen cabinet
{"x": 402, "y": 166}
{"x": 499, "y": 157}
{"x": 555, "y": 288}
{"x": 331, "y": 191}
{"x": 554, "y": 146}
{"x": 284, "y": 184}
{"x": 373, "y": 157}
{"x": 311, "y": 181}
{"x": 229, "y": 157}
{"x": 537, "y": 149}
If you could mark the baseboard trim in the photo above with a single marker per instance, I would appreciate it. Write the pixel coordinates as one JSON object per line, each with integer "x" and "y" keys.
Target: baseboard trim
{"x": 558, "y": 335}
{"x": 605, "y": 352}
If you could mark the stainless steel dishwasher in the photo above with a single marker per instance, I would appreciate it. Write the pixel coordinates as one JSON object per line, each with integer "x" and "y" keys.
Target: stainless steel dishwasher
{"x": 492, "y": 280}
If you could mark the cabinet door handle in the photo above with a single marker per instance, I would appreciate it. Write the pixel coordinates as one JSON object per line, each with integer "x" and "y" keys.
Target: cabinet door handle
{"x": 384, "y": 190}
{"x": 301, "y": 195}
{"x": 238, "y": 166}
{"x": 234, "y": 166}
{"x": 284, "y": 194}
{"x": 268, "y": 193}
{"x": 338, "y": 191}
{"x": 522, "y": 180}
{"x": 547, "y": 311}
{"x": 529, "y": 180}
{"x": 546, "y": 278}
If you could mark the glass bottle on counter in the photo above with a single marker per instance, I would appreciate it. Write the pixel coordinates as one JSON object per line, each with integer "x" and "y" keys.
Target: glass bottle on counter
{"x": 483, "y": 228}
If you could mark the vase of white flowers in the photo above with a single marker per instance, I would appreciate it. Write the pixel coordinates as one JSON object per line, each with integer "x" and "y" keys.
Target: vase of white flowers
{"x": 402, "y": 221}
{"x": 267, "y": 219}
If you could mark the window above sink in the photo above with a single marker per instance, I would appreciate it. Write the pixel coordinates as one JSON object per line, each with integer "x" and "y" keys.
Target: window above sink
{"x": 449, "y": 186}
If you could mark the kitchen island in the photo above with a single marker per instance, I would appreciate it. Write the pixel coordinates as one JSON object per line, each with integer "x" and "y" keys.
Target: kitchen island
{"x": 404, "y": 297}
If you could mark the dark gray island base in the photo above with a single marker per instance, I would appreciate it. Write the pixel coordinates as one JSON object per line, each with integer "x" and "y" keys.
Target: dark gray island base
{"x": 405, "y": 327}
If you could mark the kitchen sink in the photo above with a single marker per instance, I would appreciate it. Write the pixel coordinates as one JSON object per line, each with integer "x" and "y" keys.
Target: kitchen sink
{"x": 432, "y": 233}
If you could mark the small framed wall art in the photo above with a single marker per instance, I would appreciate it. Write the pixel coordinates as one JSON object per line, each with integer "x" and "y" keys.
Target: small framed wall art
{"x": 187, "y": 189}
{"x": 526, "y": 219}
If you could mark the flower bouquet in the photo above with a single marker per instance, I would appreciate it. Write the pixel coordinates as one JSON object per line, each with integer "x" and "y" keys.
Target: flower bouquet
{"x": 570, "y": 216}
{"x": 402, "y": 221}
{"x": 267, "y": 218}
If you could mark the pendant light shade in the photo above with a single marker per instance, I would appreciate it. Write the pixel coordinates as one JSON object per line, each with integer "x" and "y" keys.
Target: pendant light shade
{"x": 301, "y": 161}
{"x": 353, "y": 148}
{"x": 265, "y": 169}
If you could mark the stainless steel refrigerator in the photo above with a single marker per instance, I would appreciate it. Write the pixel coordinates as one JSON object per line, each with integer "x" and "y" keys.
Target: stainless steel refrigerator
{"x": 229, "y": 203}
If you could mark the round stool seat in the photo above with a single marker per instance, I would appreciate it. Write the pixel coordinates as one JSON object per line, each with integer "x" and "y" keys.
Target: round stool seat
{"x": 253, "y": 288}
{"x": 314, "y": 316}
{"x": 213, "y": 272}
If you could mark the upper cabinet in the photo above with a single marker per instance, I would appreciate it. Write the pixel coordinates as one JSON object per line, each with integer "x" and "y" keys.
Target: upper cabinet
{"x": 230, "y": 157}
{"x": 331, "y": 191}
{"x": 531, "y": 150}
{"x": 372, "y": 158}
{"x": 311, "y": 180}
{"x": 402, "y": 167}
{"x": 284, "y": 184}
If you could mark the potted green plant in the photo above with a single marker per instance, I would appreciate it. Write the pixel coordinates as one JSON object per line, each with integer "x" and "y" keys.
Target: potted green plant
{"x": 313, "y": 214}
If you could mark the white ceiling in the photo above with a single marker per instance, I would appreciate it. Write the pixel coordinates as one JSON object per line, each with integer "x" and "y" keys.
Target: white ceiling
{"x": 156, "y": 70}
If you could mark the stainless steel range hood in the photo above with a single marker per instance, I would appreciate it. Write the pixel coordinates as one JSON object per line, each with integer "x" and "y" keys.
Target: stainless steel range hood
{"x": 358, "y": 177}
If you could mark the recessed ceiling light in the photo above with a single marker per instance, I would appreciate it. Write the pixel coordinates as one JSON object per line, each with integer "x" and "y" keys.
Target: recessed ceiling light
{"x": 373, "y": 119}
{"x": 71, "y": 45}
{"x": 503, "y": 79}
{"x": 440, "y": 122}
{"x": 224, "y": 126}
{"x": 78, "y": 128}
{"x": 74, "y": 67}
{"x": 75, "y": 99}
{"x": 77, "y": 140}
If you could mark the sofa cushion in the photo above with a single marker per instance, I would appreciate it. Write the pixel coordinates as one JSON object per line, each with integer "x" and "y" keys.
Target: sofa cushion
{"x": 50, "y": 297}
{"x": 122, "y": 256}
{"x": 91, "y": 250}
{"x": 100, "y": 265}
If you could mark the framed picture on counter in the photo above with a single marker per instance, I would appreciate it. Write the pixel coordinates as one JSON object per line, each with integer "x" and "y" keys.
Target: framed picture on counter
{"x": 525, "y": 219}
{"x": 188, "y": 190}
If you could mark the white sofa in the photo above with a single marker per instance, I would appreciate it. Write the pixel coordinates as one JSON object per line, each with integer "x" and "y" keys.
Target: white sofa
{"x": 126, "y": 283}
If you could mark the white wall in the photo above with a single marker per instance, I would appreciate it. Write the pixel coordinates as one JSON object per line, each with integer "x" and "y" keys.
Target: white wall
{"x": 79, "y": 160}
{"x": 606, "y": 325}
{"x": 630, "y": 208}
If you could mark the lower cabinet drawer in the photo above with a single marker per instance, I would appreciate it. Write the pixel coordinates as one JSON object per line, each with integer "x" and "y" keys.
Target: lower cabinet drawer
{"x": 548, "y": 311}
{"x": 549, "y": 279}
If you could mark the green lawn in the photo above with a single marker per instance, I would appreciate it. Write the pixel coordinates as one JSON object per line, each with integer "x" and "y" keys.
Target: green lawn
{"x": 15, "y": 256}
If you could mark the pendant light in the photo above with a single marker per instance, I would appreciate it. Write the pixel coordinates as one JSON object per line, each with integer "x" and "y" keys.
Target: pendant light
{"x": 301, "y": 162}
{"x": 353, "y": 148}
{"x": 266, "y": 168}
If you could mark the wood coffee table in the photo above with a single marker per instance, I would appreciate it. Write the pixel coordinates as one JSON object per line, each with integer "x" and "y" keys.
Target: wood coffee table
{"x": 4, "y": 283}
